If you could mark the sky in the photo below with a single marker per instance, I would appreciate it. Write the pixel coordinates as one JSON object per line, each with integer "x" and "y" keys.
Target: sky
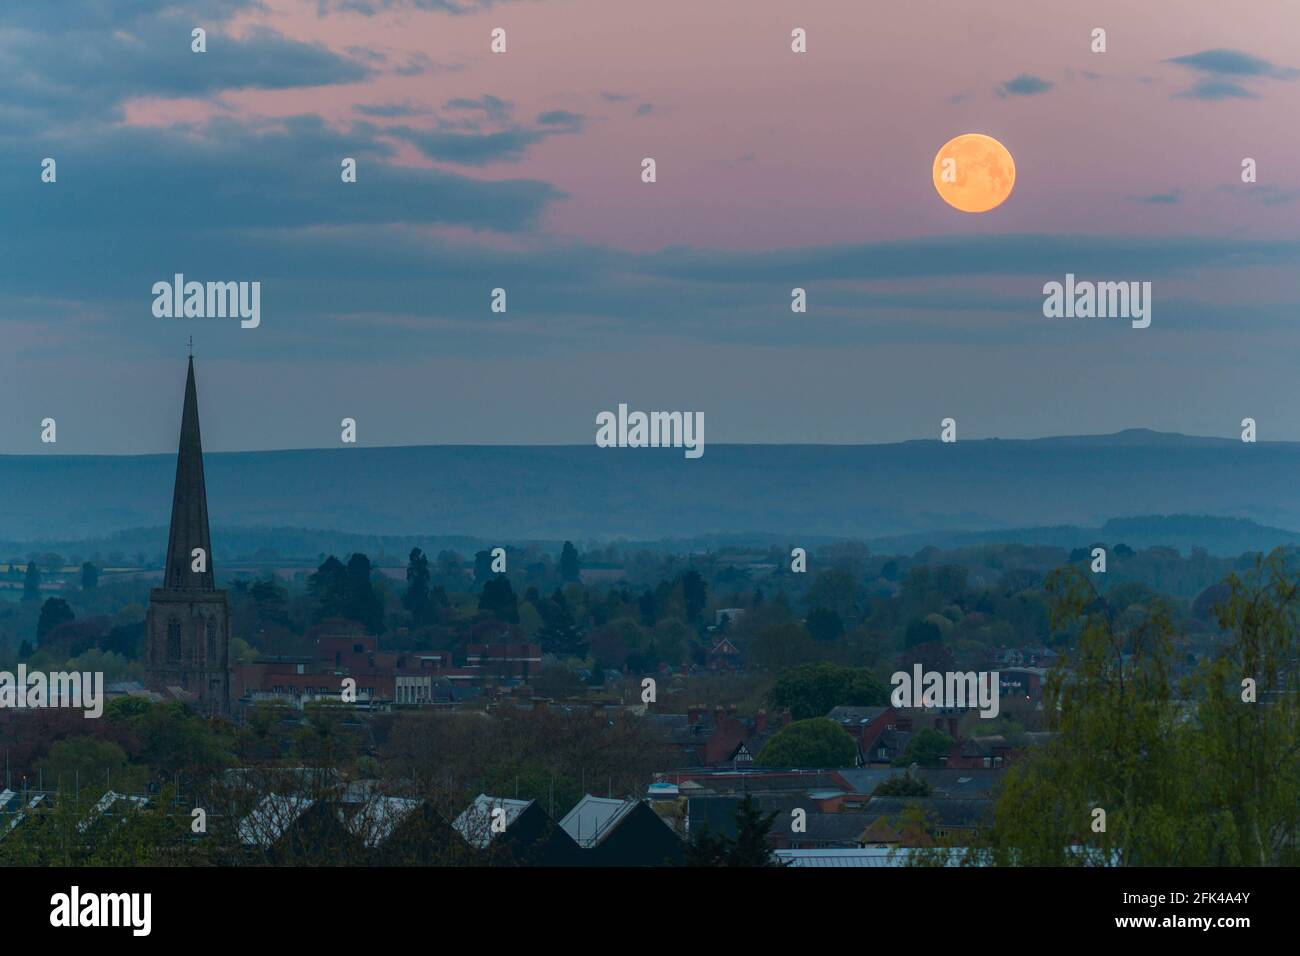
{"x": 522, "y": 170}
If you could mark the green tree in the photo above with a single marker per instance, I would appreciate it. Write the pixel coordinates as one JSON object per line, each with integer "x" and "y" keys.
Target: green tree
{"x": 903, "y": 785}
{"x": 781, "y": 647}
{"x": 811, "y": 690}
{"x": 89, "y": 763}
{"x": 570, "y": 570}
{"x": 89, "y": 577}
{"x": 176, "y": 740}
{"x": 364, "y": 603}
{"x": 824, "y": 624}
{"x": 694, "y": 594}
{"x": 482, "y": 566}
{"x": 836, "y": 590}
{"x": 950, "y": 581}
{"x": 559, "y": 633}
{"x": 416, "y": 598}
{"x": 328, "y": 588}
{"x": 124, "y": 708}
{"x": 498, "y": 599}
{"x": 32, "y": 583}
{"x": 54, "y": 611}
{"x": 927, "y": 748}
{"x": 921, "y": 631}
{"x": 1116, "y": 746}
{"x": 530, "y": 622}
{"x": 271, "y": 602}
{"x": 707, "y": 848}
{"x": 648, "y": 605}
{"x": 750, "y": 846}
{"x": 816, "y": 742}
{"x": 669, "y": 641}
{"x": 1246, "y": 754}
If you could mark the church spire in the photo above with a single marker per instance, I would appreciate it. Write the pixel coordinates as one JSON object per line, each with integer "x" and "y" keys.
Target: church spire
{"x": 189, "y": 505}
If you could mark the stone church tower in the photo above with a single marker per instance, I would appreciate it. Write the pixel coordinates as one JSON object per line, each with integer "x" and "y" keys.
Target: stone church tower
{"x": 187, "y": 629}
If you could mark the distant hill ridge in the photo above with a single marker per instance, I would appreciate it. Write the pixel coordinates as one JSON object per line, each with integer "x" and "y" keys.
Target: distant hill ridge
{"x": 277, "y": 546}
{"x": 915, "y": 488}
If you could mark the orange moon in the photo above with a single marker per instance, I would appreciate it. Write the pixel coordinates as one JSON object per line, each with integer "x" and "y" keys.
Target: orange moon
{"x": 974, "y": 172}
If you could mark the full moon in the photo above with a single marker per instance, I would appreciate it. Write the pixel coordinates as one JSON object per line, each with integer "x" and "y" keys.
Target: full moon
{"x": 974, "y": 172}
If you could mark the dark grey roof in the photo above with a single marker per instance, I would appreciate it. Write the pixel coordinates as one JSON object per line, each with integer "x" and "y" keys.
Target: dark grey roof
{"x": 855, "y": 715}
{"x": 955, "y": 783}
{"x": 945, "y": 811}
{"x": 718, "y": 812}
{"x": 991, "y": 746}
{"x": 866, "y": 779}
{"x": 828, "y": 829}
{"x": 894, "y": 742}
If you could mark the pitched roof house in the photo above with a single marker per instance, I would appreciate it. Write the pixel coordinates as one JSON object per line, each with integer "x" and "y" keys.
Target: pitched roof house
{"x": 612, "y": 832}
{"x": 516, "y": 832}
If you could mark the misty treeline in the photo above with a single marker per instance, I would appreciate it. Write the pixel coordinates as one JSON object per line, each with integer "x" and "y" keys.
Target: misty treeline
{"x": 635, "y": 611}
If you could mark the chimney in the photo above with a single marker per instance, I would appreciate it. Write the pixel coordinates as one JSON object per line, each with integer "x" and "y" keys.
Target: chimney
{"x": 760, "y": 721}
